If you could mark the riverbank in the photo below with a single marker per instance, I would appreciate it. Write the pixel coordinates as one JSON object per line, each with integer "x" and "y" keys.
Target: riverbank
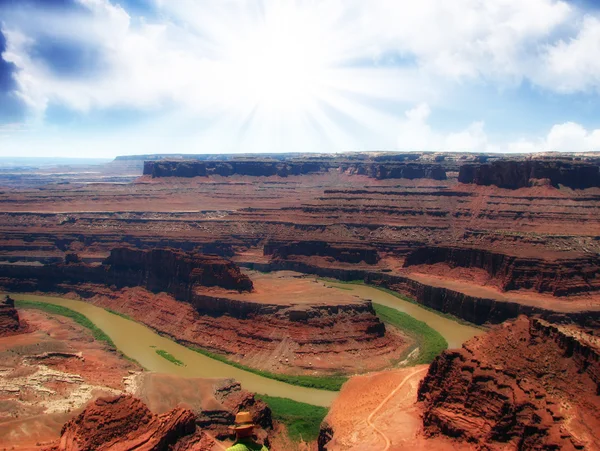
{"x": 140, "y": 343}
{"x": 431, "y": 338}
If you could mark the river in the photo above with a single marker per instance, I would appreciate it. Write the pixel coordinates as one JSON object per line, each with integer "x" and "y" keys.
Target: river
{"x": 140, "y": 343}
{"x": 454, "y": 332}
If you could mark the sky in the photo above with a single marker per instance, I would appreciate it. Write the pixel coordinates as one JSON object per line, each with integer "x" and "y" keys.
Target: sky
{"x": 101, "y": 78}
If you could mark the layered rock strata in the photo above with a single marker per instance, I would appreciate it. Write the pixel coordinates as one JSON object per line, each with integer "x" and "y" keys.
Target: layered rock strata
{"x": 560, "y": 277}
{"x": 323, "y": 338}
{"x": 158, "y": 270}
{"x": 123, "y": 423}
{"x": 229, "y": 168}
{"x": 526, "y": 385}
{"x": 472, "y": 308}
{"x": 521, "y": 174}
{"x": 345, "y": 254}
{"x": 383, "y": 171}
{"x": 172, "y": 271}
{"x": 379, "y": 171}
{"x": 290, "y": 325}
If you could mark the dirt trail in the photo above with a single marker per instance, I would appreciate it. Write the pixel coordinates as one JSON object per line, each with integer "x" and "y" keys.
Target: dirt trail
{"x": 390, "y": 396}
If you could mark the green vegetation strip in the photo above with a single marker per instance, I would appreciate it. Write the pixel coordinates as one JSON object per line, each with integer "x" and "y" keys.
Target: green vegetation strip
{"x": 64, "y": 311}
{"x": 331, "y": 383}
{"x": 429, "y": 341}
{"x": 122, "y": 315}
{"x": 164, "y": 354}
{"x": 302, "y": 420}
{"x": 339, "y": 284}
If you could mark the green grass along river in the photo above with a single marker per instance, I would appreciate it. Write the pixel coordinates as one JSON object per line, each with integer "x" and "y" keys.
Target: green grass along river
{"x": 140, "y": 343}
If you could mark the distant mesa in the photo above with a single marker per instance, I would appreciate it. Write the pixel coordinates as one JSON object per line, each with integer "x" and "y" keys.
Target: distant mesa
{"x": 266, "y": 168}
{"x": 513, "y": 174}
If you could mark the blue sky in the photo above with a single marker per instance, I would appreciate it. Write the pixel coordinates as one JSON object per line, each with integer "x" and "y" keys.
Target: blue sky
{"x": 99, "y": 78}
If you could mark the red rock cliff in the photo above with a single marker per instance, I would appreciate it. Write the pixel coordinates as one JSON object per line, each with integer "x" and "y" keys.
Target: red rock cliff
{"x": 515, "y": 388}
{"x": 9, "y": 318}
{"x": 172, "y": 271}
{"x": 124, "y": 423}
{"x": 560, "y": 277}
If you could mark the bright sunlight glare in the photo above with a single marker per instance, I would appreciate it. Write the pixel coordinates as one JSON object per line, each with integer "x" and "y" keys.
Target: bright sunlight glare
{"x": 281, "y": 60}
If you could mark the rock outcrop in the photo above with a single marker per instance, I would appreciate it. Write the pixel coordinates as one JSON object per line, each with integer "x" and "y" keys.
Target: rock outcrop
{"x": 382, "y": 171}
{"x": 526, "y": 385}
{"x": 561, "y": 277}
{"x": 228, "y": 168}
{"x": 172, "y": 271}
{"x": 266, "y": 168}
{"x": 159, "y": 270}
{"x": 347, "y": 254}
{"x": 125, "y": 423}
{"x": 9, "y": 317}
{"x": 214, "y": 402}
{"x": 513, "y": 174}
{"x": 282, "y": 338}
{"x": 475, "y": 309}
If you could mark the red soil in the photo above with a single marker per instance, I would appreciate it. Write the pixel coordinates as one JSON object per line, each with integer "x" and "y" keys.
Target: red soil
{"x": 365, "y": 416}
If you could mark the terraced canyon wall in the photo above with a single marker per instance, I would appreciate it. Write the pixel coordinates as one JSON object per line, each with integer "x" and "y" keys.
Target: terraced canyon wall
{"x": 477, "y": 310}
{"x": 157, "y": 270}
{"x": 189, "y": 297}
{"x": 380, "y": 171}
{"x": 172, "y": 271}
{"x": 320, "y": 248}
{"x": 537, "y": 240}
{"x": 521, "y": 174}
{"x": 517, "y": 386}
{"x": 229, "y": 168}
{"x": 561, "y": 277}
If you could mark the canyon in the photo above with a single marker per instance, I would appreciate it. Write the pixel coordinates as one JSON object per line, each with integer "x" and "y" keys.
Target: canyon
{"x": 225, "y": 253}
{"x": 527, "y": 384}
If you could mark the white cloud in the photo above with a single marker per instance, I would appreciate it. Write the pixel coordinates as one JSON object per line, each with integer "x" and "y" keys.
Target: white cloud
{"x": 214, "y": 62}
{"x": 415, "y": 133}
{"x": 565, "y": 137}
{"x": 573, "y": 65}
{"x": 469, "y": 38}
{"x": 572, "y": 137}
{"x": 195, "y": 64}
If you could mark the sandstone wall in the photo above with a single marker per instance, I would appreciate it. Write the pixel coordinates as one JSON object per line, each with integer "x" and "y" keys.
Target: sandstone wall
{"x": 347, "y": 254}
{"x": 158, "y": 270}
{"x": 380, "y": 171}
{"x": 520, "y": 174}
{"x": 560, "y": 277}
{"x": 477, "y": 310}
{"x": 516, "y": 387}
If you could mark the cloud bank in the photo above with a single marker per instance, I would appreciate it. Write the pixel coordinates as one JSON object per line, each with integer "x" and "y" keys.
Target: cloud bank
{"x": 331, "y": 75}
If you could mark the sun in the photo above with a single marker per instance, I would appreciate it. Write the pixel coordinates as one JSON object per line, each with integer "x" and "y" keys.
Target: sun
{"x": 281, "y": 61}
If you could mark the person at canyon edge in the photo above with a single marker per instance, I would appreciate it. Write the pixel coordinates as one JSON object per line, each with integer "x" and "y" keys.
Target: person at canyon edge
{"x": 243, "y": 429}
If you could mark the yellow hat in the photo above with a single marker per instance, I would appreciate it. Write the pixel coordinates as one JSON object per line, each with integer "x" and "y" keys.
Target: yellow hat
{"x": 243, "y": 420}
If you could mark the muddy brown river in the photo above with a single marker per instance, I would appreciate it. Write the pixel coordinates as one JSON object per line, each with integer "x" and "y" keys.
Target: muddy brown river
{"x": 140, "y": 343}
{"x": 454, "y": 332}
